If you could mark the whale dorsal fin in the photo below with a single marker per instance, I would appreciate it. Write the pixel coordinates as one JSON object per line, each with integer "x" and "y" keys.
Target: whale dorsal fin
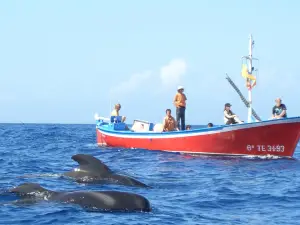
{"x": 91, "y": 164}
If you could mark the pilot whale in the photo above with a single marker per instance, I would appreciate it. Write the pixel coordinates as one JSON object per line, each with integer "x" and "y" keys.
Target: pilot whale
{"x": 93, "y": 170}
{"x": 92, "y": 200}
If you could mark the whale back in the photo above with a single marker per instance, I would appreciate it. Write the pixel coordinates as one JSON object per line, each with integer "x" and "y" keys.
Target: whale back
{"x": 129, "y": 181}
{"x": 92, "y": 200}
{"x": 29, "y": 189}
{"x": 93, "y": 170}
{"x": 88, "y": 166}
{"x": 108, "y": 200}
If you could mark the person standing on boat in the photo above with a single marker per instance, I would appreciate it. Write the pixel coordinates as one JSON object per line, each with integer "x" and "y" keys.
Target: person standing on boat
{"x": 279, "y": 110}
{"x": 180, "y": 103}
{"x": 115, "y": 112}
{"x": 169, "y": 123}
{"x": 229, "y": 116}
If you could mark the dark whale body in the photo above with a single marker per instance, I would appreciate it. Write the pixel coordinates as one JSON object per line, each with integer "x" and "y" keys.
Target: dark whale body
{"x": 92, "y": 170}
{"x": 93, "y": 200}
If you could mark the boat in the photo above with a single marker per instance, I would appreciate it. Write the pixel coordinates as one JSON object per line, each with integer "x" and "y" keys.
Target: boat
{"x": 256, "y": 137}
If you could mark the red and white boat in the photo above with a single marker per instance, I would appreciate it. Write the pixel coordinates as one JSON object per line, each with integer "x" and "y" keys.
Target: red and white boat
{"x": 277, "y": 137}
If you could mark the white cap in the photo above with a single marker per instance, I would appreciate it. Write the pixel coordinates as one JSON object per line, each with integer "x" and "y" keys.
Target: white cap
{"x": 180, "y": 87}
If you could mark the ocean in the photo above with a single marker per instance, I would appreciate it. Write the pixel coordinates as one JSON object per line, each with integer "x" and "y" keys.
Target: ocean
{"x": 186, "y": 189}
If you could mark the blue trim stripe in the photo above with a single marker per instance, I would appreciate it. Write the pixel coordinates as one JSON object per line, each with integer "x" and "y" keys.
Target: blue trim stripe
{"x": 107, "y": 129}
{"x": 222, "y": 128}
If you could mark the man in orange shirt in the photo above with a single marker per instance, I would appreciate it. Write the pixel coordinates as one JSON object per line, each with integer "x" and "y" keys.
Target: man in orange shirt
{"x": 179, "y": 102}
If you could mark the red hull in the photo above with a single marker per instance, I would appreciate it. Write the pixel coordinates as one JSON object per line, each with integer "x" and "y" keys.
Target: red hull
{"x": 278, "y": 138}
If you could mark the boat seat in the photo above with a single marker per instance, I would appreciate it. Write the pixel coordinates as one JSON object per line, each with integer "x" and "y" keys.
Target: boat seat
{"x": 117, "y": 119}
{"x": 119, "y": 126}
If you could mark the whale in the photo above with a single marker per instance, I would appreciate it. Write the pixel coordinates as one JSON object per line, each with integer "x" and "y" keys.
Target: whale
{"x": 93, "y": 170}
{"x": 89, "y": 200}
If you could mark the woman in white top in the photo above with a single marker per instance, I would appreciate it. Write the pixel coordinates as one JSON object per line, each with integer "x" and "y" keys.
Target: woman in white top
{"x": 229, "y": 116}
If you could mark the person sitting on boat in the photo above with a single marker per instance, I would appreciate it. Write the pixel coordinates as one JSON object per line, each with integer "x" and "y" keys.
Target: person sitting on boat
{"x": 115, "y": 112}
{"x": 229, "y": 116}
{"x": 188, "y": 127}
{"x": 210, "y": 125}
{"x": 279, "y": 110}
{"x": 169, "y": 123}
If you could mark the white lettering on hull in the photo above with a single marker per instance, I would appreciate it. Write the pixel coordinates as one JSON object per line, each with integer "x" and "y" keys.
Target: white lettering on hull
{"x": 266, "y": 148}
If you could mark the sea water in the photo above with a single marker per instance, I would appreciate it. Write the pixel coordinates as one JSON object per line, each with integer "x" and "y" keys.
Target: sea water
{"x": 186, "y": 189}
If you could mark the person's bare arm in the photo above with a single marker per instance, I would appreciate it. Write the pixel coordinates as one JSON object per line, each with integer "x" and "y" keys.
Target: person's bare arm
{"x": 228, "y": 116}
{"x": 176, "y": 127}
{"x": 175, "y": 101}
{"x": 164, "y": 124}
{"x": 281, "y": 114}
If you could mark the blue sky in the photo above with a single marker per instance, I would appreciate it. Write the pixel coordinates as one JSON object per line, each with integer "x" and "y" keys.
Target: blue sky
{"x": 63, "y": 61}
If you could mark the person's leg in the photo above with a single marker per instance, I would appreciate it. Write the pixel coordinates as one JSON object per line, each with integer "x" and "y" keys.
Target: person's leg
{"x": 237, "y": 120}
{"x": 182, "y": 118}
{"x": 230, "y": 121}
{"x": 178, "y": 117}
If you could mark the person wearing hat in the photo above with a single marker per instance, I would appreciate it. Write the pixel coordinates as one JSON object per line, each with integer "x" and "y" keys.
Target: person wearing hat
{"x": 180, "y": 103}
{"x": 229, "y": 116}
{"x": 279, "y": 110}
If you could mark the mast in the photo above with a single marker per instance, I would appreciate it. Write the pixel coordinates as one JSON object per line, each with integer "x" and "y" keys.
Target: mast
{"x": 247, "y": 71}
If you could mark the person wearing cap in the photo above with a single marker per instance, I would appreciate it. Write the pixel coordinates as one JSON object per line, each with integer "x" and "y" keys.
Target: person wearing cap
{"x": 279, "y": 110}
{"x": 180, "y": 103}
{"x": 229, "y": 116}
{"x": 116, "y": 110}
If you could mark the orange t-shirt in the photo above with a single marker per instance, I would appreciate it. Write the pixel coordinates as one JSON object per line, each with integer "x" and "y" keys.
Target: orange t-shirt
{"x": 169, "y": 124}
{"x": 179, "y": 100}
